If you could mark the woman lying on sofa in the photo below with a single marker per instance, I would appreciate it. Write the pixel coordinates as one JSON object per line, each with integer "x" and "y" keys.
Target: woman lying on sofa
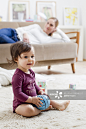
{"x": 33, "y": 33}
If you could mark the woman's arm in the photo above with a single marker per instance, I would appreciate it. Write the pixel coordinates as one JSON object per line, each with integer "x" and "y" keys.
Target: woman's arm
{"x": 65, "y": 38}
{"x": 24, "y": 31}
{"x": 42, "y": 37}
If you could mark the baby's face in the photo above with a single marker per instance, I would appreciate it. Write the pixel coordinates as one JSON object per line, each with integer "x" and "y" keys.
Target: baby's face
{"x": 26, "y": 60}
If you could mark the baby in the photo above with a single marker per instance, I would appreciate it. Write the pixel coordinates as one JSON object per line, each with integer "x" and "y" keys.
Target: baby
{"x": 25, "y": 89}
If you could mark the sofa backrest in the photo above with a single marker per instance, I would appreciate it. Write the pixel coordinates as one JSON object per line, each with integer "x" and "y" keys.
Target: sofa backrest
{"x": 19, "y": 24}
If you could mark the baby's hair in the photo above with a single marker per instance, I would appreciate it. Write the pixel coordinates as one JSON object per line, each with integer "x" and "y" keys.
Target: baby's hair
{"x": 16, "y": 49}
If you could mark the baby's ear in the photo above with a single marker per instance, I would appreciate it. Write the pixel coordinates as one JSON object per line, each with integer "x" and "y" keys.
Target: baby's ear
{"x": 16, "y": 60}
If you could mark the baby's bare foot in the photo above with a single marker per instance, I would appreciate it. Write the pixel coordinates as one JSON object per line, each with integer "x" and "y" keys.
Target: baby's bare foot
{"x": 50, "y": 107}
{"x": 63, "y": 105}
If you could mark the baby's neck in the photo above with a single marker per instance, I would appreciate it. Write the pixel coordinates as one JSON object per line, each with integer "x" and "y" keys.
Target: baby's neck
{"x": 28, "y": 72}
{"x": 24, "y": 70}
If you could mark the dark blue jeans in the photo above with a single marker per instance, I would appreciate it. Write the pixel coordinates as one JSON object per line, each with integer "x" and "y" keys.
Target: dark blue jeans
{"x": 8, "y": 35}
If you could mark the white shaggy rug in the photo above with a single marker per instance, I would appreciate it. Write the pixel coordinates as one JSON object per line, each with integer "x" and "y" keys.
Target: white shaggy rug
{"x": 73, "y": 117}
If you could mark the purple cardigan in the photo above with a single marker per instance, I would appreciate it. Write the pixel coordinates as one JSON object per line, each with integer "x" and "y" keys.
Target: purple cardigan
{"x": 23, "y": 85}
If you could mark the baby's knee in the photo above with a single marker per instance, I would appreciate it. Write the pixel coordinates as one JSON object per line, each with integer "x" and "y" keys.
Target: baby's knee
{"x": 30, "y": 109}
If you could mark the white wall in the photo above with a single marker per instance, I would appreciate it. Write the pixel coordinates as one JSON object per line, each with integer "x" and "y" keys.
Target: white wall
{"x": 60, "y": 4}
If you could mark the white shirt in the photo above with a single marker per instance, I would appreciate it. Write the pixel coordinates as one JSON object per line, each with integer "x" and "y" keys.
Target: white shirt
{"x": 38, "y": 36}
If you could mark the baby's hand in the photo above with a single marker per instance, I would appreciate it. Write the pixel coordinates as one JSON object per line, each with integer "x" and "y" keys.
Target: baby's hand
{"x": 42, "y": 93}
{"x": 36, "y": 101}
{"x": 46, "y": 94}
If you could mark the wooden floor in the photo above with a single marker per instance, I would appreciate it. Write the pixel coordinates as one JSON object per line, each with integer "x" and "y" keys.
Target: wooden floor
{"x": 80, "y": 68}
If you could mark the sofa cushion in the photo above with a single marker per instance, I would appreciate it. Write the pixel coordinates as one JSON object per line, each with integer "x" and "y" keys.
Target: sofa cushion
{"x": 19, "y": 24}
{"x": 55, "y": 51}
{"x": 7, "y": 25}
{"x": 52, "y": 51}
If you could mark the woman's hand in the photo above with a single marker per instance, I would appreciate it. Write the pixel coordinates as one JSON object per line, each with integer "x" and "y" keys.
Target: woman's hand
{"x": 25, "y": 38}
{"x": 36, "y": 101}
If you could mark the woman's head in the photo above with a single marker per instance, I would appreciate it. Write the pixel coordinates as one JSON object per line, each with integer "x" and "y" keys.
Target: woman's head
{"x": 23, "y": 54}
{"x": 51, "y": 25}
